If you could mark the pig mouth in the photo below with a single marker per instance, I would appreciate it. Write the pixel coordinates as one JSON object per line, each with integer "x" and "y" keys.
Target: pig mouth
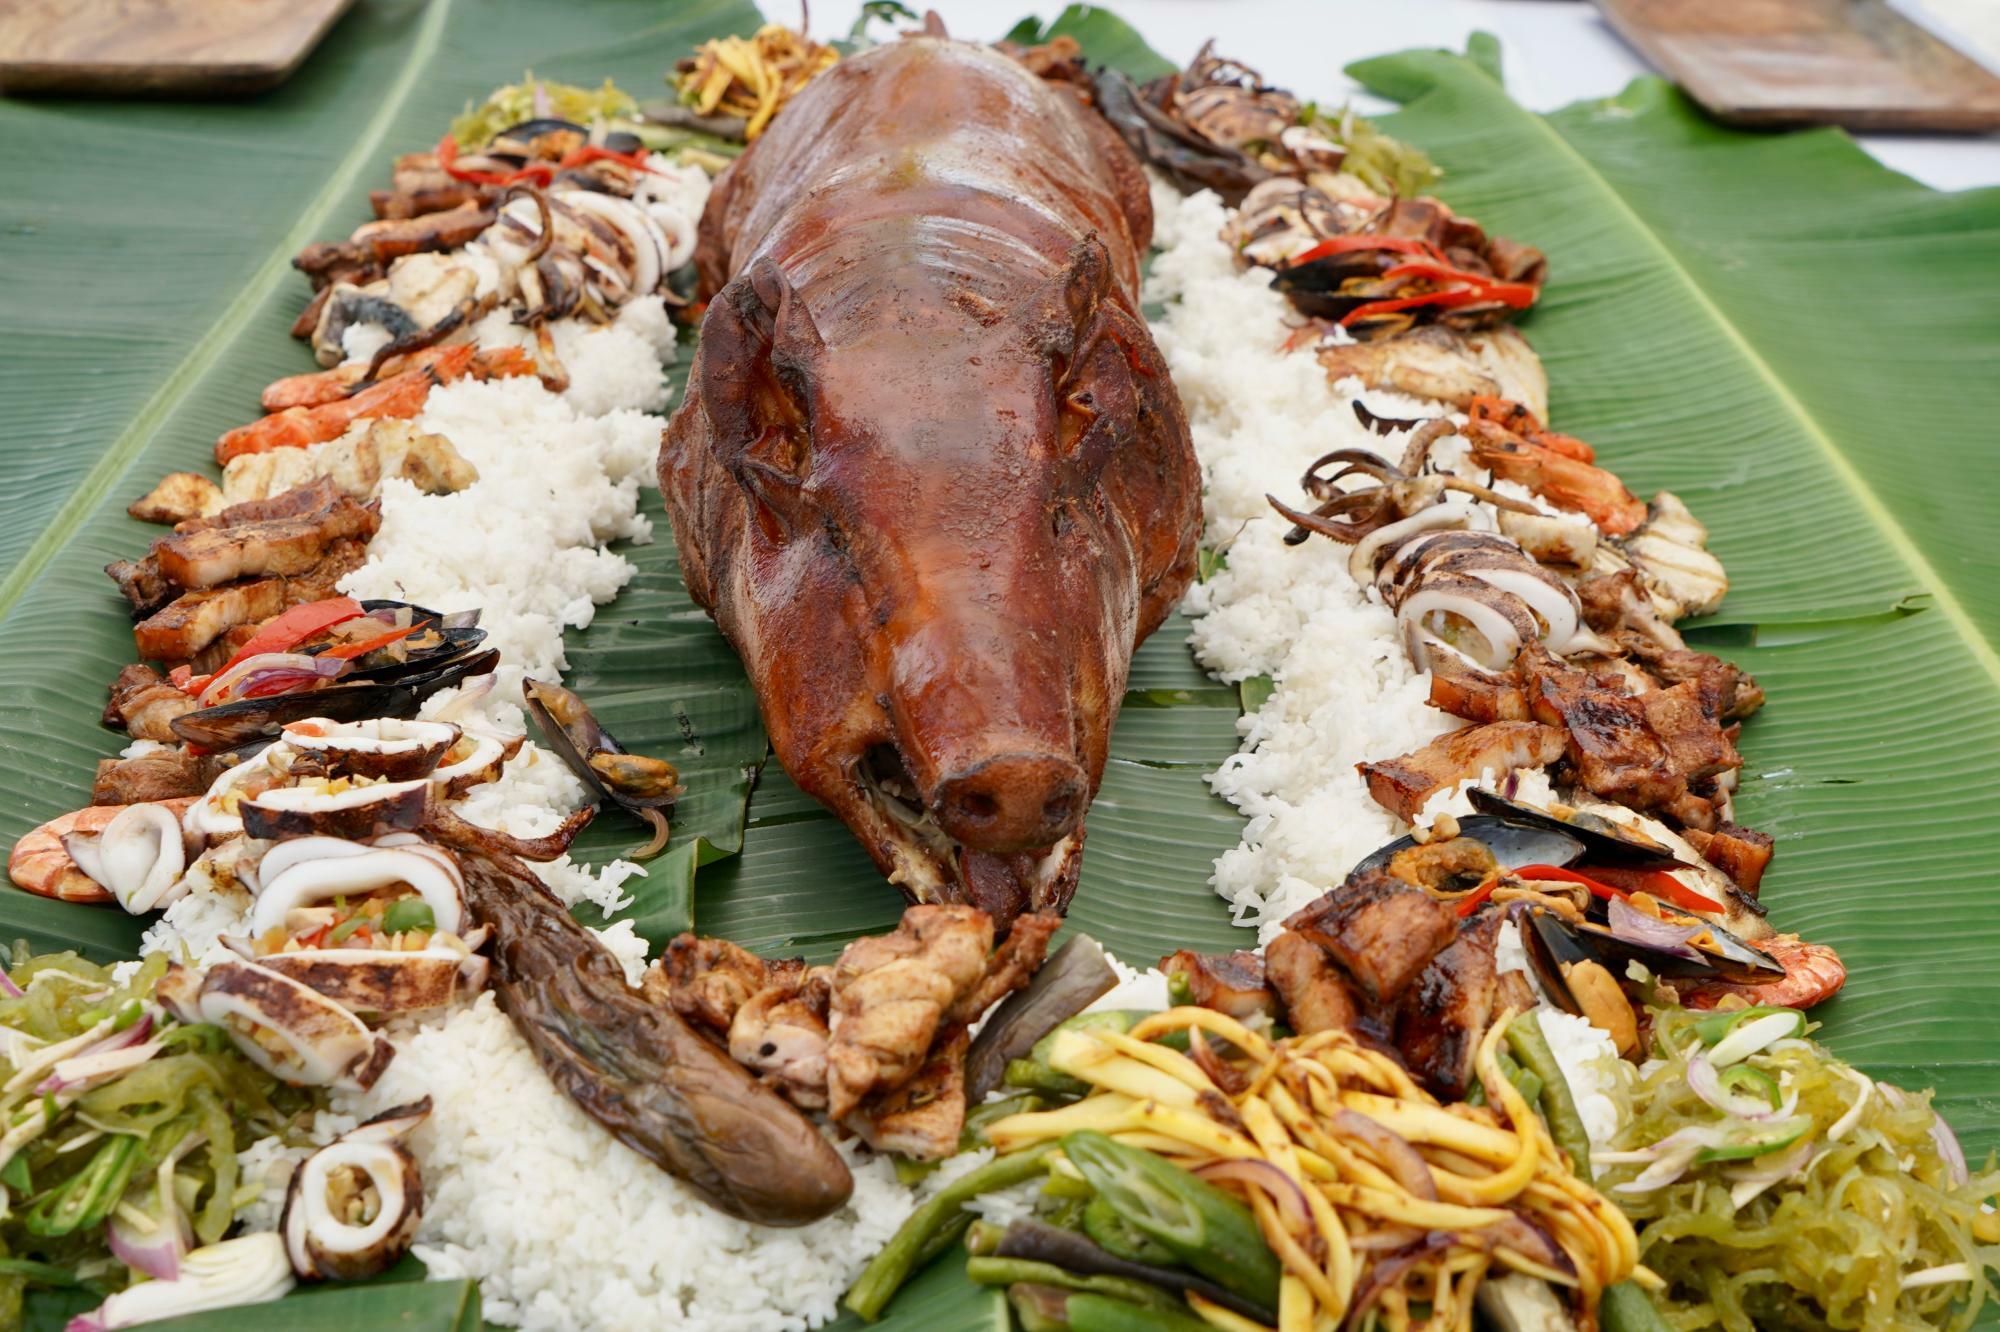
{"x": 929, "y": 865}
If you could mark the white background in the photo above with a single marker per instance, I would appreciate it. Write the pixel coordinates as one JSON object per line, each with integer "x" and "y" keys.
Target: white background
{"x": 1554, "y": 51}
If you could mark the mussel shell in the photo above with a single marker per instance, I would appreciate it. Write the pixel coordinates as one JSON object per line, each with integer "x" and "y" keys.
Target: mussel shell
{"x": 1604, "y": 843}
{"x": 1511, "y": 842}
{"x": 577, "y": 741}
{"x": 247, "y": 720}
{"x": 530, "y": 129}
{"x": 1551, "y": 940}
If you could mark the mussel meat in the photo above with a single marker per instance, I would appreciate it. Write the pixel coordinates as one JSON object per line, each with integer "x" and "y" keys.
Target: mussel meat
{"x": 645, "y": 786}
{"x": 1675, "y": 948}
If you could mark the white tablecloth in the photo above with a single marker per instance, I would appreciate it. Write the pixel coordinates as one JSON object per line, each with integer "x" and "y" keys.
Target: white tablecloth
{"x": 1554, "y": 51}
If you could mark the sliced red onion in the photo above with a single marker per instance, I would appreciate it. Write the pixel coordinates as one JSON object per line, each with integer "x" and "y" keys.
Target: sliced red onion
{"x": 1635, "y": 926}
{"x": 1268, "y": 1179}
{"x": 91, "y": 1062}
{"x": 233, "y": 682}
{"x": 1705, "y": 1080}
{"x": 7, "y": 986}
{"x": 1400, "y": 1158}
{"x": 158, "y": 1252}
{"x": 1949, "y": 1148}
{"x": 1751, "y": 1180}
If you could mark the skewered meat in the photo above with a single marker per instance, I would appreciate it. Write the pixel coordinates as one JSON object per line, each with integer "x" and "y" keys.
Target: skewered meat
{"x": 1381, "y": 930}
{"x": 707, "y": 980}
{"x": 1402, "y": 785}
{"x": 1232, "y": 983}
{"x": 780, "y": 1033}
{"x": 930, "y": 474}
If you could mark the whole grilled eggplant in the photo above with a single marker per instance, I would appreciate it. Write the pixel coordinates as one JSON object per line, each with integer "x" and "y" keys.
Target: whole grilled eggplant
{"x": 638, "y": 1068}
{"x": 930, "y": 476}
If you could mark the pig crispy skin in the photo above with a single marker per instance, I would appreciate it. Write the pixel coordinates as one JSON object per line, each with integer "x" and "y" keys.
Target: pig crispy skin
{"x": 930, "y": 476}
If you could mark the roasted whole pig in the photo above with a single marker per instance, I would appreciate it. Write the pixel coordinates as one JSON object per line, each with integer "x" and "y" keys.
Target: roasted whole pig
{"x": 931, "y": 477}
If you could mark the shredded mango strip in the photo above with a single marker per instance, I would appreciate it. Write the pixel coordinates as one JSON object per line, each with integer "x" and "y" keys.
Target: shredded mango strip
{"x": 1500, "y": 1196}
{"x": 752, "y": 77}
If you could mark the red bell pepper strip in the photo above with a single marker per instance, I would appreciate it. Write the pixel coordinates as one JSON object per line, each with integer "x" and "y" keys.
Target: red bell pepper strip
{"x": 1660, "y": 884}
{"x": 1473, "y": 900}
{"x": 1447, "y": 299}
{"x": 590, "y": 152}
{"x": 1520, "y": 295}
{"x": 541, "y": 173}
{"x": 295, "y": 626}
{"x": 1557, "y": 874}
{"x": 349, "y": 651}
{"x": 1362, "y": 241}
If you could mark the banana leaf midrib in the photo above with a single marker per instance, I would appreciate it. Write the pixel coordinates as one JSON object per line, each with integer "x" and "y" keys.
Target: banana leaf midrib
{"x": 337, "y": 194}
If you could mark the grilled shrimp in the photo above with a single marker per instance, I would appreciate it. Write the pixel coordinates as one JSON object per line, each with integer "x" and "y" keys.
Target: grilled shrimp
{"x": 331, "y": 386}
{"x": 41, "y": 865}
{"x": 402, "y": 395}
{"x": 1813, "y": 973}
{"x": 1557, "y": 476}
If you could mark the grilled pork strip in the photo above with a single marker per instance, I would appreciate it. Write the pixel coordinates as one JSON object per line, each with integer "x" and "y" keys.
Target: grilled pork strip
{"x": 1402, "y": 785}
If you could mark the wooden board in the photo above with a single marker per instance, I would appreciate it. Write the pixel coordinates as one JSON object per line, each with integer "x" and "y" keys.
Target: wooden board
{"x": 1855, "y": 63}
{"x": 157, "y": 47}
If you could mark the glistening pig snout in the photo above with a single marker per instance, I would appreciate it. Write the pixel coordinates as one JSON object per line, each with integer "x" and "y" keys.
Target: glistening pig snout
{"x": 1013, "y": 802}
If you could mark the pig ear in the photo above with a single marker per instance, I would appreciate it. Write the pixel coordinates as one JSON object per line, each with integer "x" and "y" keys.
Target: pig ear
{"x": 760, "y": 351}
{"x": 1060, "y": 315}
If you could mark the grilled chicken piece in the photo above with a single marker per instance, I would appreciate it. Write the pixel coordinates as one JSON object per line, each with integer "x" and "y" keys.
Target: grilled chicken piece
{"x": 1447, "y": 1009}
{"x": 179, "y": 497}
{"x": 1463, "y": 690}
{"x": 1316, "y": 995}
{"x": 1432, "y": 361}
{"x": 1232, "y": 983}
{"x": 1642, "y": 751}
{"x": 145, "y": 705}
{"x": 891, "y": 992}
{"x": 192, "y": 621}
{"x": 1382, "y": 930}
{"x": 1401, "y": 785}
{"x": 922, "y": 1118}
{"x": 780, "y": 1034}
{"x": 356, "y": 463}
{"x": 1741, "y": 853}
{"x": 218, "y": 553}
{"x": 142, "y": 583}
{"x": 707, "y": 980}
{"x": 1019, "y": 956}
{"x": 164, "y": 775}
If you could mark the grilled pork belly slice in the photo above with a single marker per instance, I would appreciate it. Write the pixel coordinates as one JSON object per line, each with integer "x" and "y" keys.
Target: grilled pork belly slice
{"x": 1464, "y": 690}
{"x": 1741, "y": 853}
{"x": 162, "y": 775}
{"x": 1233, "y": 983}
{"x": 1402, "y": 785}
{"x": 1381, "y": 930}
{"x": 190, "y": 622}
{"x": 218, "y": 552}
{"x": 1317, "y": 995}
{"x": 142, "y": 584}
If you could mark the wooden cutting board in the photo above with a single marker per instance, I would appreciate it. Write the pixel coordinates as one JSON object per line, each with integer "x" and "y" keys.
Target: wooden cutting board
{"x": 188, "y": 48}
{"x": 1855, "y": 63}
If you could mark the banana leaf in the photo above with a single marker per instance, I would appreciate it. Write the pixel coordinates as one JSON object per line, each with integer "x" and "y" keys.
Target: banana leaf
{"x": 1694, "y": 331}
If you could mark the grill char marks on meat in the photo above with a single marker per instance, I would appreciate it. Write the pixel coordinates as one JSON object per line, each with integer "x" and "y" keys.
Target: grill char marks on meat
{"x": 1402, "y": 785}
{"x": 1379, "y": 929}
{"x": 1232, "y": 983}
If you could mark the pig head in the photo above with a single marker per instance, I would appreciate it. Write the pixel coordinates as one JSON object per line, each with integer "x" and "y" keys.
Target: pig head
{"x": 935, "y": 537}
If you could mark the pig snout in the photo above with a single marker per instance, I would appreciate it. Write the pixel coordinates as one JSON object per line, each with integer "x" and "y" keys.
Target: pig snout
{"x": 1013, "y": 802}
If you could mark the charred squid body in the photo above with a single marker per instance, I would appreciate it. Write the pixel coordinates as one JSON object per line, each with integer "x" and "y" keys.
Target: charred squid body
{"x": 931, "y": 477}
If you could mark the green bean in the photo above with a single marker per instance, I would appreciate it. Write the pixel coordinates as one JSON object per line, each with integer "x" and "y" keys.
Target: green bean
{"x": 1090, "y": 1312}
{"x": 983, "y": 1238}
{"x": 1626, "y": 1307}
{"x": 1115, "y": 1235}
{"x": 879, "y": 1281}
{"x": 1008, "y": 1271}
{"x": 911, "y": 1172}
{"x": 1531, "y": 1049}
{"x": 1208, "y": 1230}
{"x": 946, "y": 1237}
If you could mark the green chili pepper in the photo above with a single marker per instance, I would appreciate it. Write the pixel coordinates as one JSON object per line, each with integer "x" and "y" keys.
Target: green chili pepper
{"x": 879, "y": 1281}
{"x": 1008, "y": 1271}
{"x": 910, "y": 1173}
{"x": 1208, "y": 1230}
{"x": 1741, "y": 1076}
{"x": 89, "y": 1195}
{"x": 128, "y": 1014}
{"x": 44, "y": 1274}
{"x": 1179, "y": 992}
{"x": 406, "y": 914}
{"x": 15, "y": 1176}
{"x": 1039, "y": 1308}
{"x": 1115, "y": 1235}
{"x": 1715, "y": 1026}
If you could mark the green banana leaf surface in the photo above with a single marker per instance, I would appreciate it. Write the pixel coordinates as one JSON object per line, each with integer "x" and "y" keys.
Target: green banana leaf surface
{"x": 1794, "y": 339}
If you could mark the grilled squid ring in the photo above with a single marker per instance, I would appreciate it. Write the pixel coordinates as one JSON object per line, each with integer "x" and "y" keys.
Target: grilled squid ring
{"x": 289, "y": 1030}
{"x": 353, "y": 1206}
{"x": 343, "y": 873}
{"x": 384, "y": 747}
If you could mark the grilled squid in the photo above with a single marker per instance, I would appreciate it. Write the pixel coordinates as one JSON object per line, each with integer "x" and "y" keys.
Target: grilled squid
{"x": 335, "y": 808}
{"x": 353, "y": 1206}
{"x": 289, "y": 1030}
{"x": 386, "y": 748}
{"x": 138, "y": 857}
